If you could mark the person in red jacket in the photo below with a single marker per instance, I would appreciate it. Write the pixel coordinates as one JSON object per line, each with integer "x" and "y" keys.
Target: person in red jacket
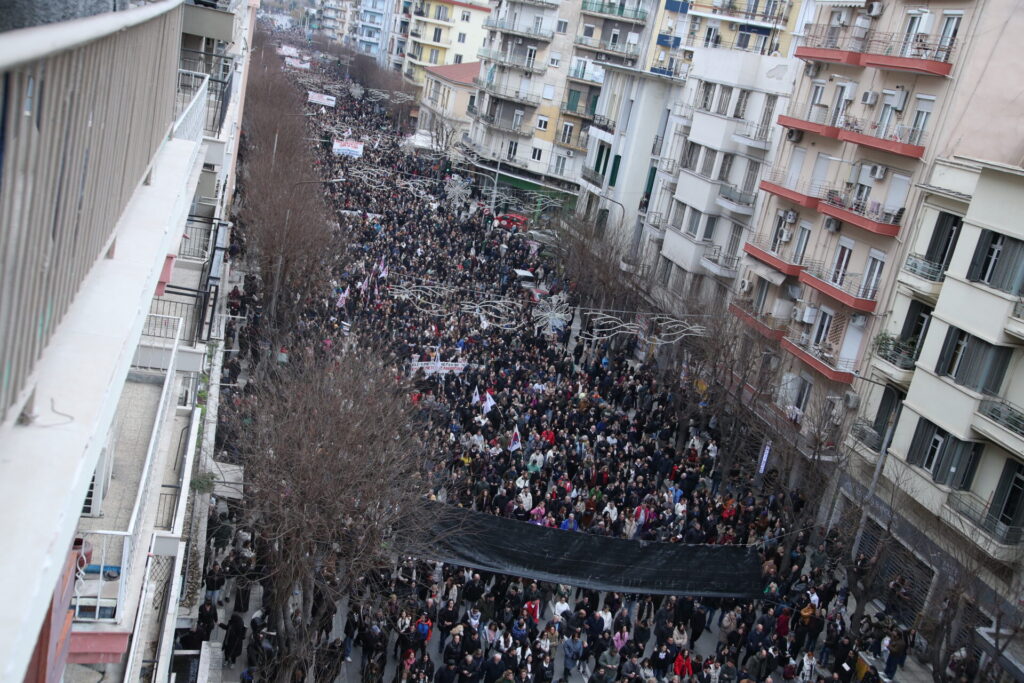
{"x": 422, "y": 630}
{"x": 683, "y": 666}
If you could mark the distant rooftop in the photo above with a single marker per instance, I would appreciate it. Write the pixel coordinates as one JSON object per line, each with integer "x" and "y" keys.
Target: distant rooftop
{"x": 457, "y": 73}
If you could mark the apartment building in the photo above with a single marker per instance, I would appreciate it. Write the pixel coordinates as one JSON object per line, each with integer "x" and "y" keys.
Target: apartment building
{"x": 448, "y": 93}
{"x": 443, "y": 32}
{"x": 338, "y": 19}
{"x": 120, "y": 138}
{"x": 373, "y": 29}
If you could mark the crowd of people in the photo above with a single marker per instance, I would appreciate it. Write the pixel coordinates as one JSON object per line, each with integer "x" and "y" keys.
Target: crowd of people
{"x": 539, "y": 425}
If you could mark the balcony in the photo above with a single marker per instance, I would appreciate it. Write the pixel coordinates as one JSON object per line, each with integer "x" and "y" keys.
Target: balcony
{"x": 720, "y": 264}
{"x": 927, "y": 55}
{"x": 614, "y": 10}
{"x": 811, "y": 118}
{"x": 585, "y": 75}
{"x": 579, "y": 108}
{"x": 922, "y": 276}
{"x": 1015, "y": 321}
{"x": 593, "y": 176}
{"x": 629, "y": 50}
{"x": 846, "y": 288}
{"x": 735, "y": 200}
{"x": 764, "y": 324}
{"x": 832, "y": 44}
{"x": 1000, "y": 421}
{"x": 998, "y": 539}
{"x": 736, "y": 12}
{"x": 779, "y": 182}
{"x": 604, "y": 123}
{"x": 506, "y": 26}
{"x": 508, "y": 127}
{"x": 511, "y": 60}
{"x": 683, "y": 111}
{"x": 896, "y": 359}
{"x": 778, "y": 255}
{"x": 507, "y": 93}
{"x": 543, "y": 4}
{"x": 864, "y": 431}
{"x": 893, "y": 138}
{"x": 577, "y": 142}
{"x": 867, "y": 215}
{"x": 754, "y": 135}
{"x": 657, "y": 146}
{"x": 668, "y": 165}
{"x": 822, "y": 358}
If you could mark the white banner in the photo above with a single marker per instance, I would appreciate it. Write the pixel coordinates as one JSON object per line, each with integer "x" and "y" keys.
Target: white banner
{"x": 296, "y": 64}
{"x": 288, "y": 51}
{"x": 320, "y": 98}
{"x": 430, "y": 367}
{"x": 349, "y": 148}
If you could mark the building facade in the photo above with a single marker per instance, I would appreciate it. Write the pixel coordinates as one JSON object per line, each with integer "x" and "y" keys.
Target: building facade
{"x": 448, "y": 93}
{"x": 101, "y": 401}
{"x": 441, "y": 33}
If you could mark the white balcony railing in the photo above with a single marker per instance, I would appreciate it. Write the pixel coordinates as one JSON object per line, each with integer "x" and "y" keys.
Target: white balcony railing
{"x": 190, "y": 105}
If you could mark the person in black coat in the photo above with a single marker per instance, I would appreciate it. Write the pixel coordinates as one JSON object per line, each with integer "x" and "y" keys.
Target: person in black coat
{"x": 207, "y": 619}
{"x": 698, "y": 622}
{"x": 234, "y": 638}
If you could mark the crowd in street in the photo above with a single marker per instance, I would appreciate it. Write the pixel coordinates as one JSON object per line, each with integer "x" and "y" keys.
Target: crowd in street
{"x": 541, "y": 426}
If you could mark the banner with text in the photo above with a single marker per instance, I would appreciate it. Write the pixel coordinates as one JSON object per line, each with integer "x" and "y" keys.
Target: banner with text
{"x": 320, "y": 98}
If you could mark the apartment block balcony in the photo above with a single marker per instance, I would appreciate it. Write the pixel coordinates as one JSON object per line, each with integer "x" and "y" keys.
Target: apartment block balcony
{"x": 668, "y": 166}
{"x": 1001, "y": 421}
{"x": 614, "y": 10}
{"x": 508, "y": 26}
{"x": 578, "y": 108}
{"x": 684, "y": 112}
{"x": 778, "y": 255}
{"x": 998, "y": 539}
{"x": 543, "y": 4}
{"x": 766, "y": 325}
{"x": 822, "y": 358}
{"x": 211, "y": 18}
{"x": 507, "y": 93}
{"x": 832, "y": 44}
{"x": 928, "y": 55}
{"x": 896, "y": 359}
{"x": 864, "y": 431}
{"x": 738, "y": 12}
{"x": 1015, "y": 321}
{"x": 922, "y": 276}
{"x": 846, "y": 288}
{"x": 735, "y": 200}
{"x": 657, "y": 146}
{"x": 582, "y": 74}
{"x": 593, "y": 176}
{"x": 811, "y": 118}
{"x": 505, "y": 126}
{"x": 512, "y": 60}
{"x": 755, "y": 135}
{"x": 576, "y": 142}
{"x": 718, "y": 263}
{"x": 604, "y": 123}
{"x": 893, "y": 138}
{"x": 865, "y": 214}
{"x": 631, "y": 50}
{"x": 779, "y": 182}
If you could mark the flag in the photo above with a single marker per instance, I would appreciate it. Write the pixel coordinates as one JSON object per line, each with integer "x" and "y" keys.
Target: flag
{"x": 516, "y": 443}
{"x": 364, "y": 284}
{"x": 489, "y": 402}
{"x": 437, "y": 358}
{"x": 342, "y": 298}
{"x": 383, "y": 272}
{"x": 476, "y": 396}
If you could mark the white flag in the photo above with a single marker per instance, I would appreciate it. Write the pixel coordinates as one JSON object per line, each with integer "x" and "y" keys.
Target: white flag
{"x": 476, "y": 396}
{"x": 489, "y": 402}
{"x": 516, "y": 442}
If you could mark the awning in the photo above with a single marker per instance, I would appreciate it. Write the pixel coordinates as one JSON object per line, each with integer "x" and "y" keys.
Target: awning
{"x": 768, "y": 273}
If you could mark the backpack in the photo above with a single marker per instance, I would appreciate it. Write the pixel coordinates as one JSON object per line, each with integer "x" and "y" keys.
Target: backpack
{"x": 422, "y": 630}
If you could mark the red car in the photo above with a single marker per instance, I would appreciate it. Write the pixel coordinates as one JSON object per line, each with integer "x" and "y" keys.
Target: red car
{"x": 512, "y": 221}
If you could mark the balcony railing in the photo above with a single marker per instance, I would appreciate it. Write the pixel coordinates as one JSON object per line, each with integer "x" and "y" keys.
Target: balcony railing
{"x": 865, "y": 432}
{"x": 824, "y": 353}
{"x": 668, "y": 165}
{"x": 507, "y": 93}
{"x": 767, "y": 320}
{"x": 812, "y": 112}
{"x": 578, "y": 108}
{"x": 604, "y": 123}
{"x": 1018, "y": 310}
{"x": 655, "y": 219}
{"x": 507, "y": 26}
{"x": 735, "y": 10}
{"x": 784, "y": 251}
{"x": 582, "y": 74}
{"x": 593, "y": 176}
{"x": 507, "y": 59}
{"x": 899, "y": 353}
{"x": 735, "y": 195}
{"x": 190, "y": 105}
{"x": 507, "y": 126}
{"x": 545, "y": 4}
{"x": 683, "y": 110}
{"x": 810, "y": 188}
{"x": 873, "y": 211}
{"x": 1003, "y": 413}
{"x": 625, "y": 49}
{"x": 659, "y": 142}
{"x": 891, "y": 132}
{"x": 923, "y": 268}
{"x": 197, "y": 240}
{"x": 716, "y": 255}
{"x": 614, "y": 10}
{"x": 578, "y": 141}
{"x": 850, "y": 283}
{"x": 980, "y": 514}
{"x": 934, "y": 48}
{"x": 756, "y": 131}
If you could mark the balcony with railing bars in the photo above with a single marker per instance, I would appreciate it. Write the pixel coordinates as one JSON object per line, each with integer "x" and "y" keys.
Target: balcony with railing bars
{"x": 782, "y": 183}
{"x": 864, "y": 431}
{"x": 981, "y": 516}
{"x": 740, "y": 12}
{"x": 587, "y": 75}
{"x": 668, "y": 165}
{"x": 507, "y": 93}
{"x": 763, "y": 323}
{"x": 846, "y": 288}
{"x": 604, "y": 123}
{"x": 614, "y": 10}
{"x": 873, "y": 216}
{"x": 190, "y": 105}
{"x": 735, "y": 200}
{"x": 684, "y": 111}
{"x": 656, "y": 220}
{"x": 656, "y": 147}
{"x": 577, "y": 141}
{"x": 754, "y": 134}
{"x": 896, "y": 359}
{"x": 811, "y": 117}
{"x": 624, "y": 49}
{"x": 919, "y": 53}
{"x": 1002, "y": 422}
{"x": 197, "y": 240}
{"x": 578, "y": 108}
{"x": 822, "y": 357}
{"x": 782, "y": 256}
{"x": 922, "y": 276}
{"x": 543, "y": 4}
{"x": 509, "y": 26}
{"x": 718, "y": 263}
{"x": 593, "y": 176}
{"x": 892, "y": 137}
{"x": 513, "y": 60}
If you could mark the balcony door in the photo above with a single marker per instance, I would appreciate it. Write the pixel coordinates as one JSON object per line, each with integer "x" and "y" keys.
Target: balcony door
{"x": 796, "y": 166}
{"x": 1008, "y": 501}
{"x": 824, "y": 326}
{"x": 872, "y": 277}
{"x": 944, "y": 238}
{"x": 947, "y": 38}
{"x": 840, "y": 264}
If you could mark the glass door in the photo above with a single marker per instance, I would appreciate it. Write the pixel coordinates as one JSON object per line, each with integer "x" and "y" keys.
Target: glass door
{"x": 840, "y": 264}
{"x": 823, "y": 327}
{"x": 910, "y": 34}
{"x": 802, "y": 238}
{"x": 872, "y": 278}
{"x": 947, "y": 39}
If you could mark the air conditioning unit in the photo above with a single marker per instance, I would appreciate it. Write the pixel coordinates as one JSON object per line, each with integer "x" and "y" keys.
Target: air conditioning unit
{"x": 785, "y": 235}
{"x": 794, "y": 135}
{"x": 878, "y": 171}
{"x": 810, "y": 315}
{"x": 745, "y": 286}
{"x": 812, "y": 69}
{"x": 874, "y": 9}
{"x": 869, "y": 98}
{"x": 569, "y": 153}
{"x": 832, "y": 225}
{"x": 858, "y": 320}
{"x": 791, "y": 216}
{"x": 899, "y": 100}
{"x": 797, "y": 313}
{"x": 851, "y": 399}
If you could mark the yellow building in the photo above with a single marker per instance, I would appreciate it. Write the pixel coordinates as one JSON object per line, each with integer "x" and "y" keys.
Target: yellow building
{"x": 441, "y": 33}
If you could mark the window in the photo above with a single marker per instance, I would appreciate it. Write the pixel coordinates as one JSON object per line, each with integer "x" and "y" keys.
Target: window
{"x": 542, "y": 123}
{"x": 726, "y": 167}
{"x": 693, "y": 222}
{"x": 437, "y": 35}
{"x": 461, "y": 38}
{"x": 441, "y": 13}
{"x": 555, "y": 58}
{"x": 944, "y": 238}
{"x": 952, "y": 462}
{"x": 664, "y": 270}
{"x": 840, "y": 263}
{"x": 724, "y": 96}
{"x": 802, "y": 239}
{"x": 512, "y": 150}
{"x": 823, "y": 328}
{"x": 691, "y": 156}
{"x": 588, "y": 30}
{"x": 535, "y": 154}
{"x": 998, "y": 262}
{"x": 434, "y": 54}
{"x": 517, "y": 118}
{"x": 872, "y": 277}
{"x": 549, "y": 92}
{"x": 560, "y": 162}
{"x": 709, "y": 228}
{"x": 458, "y": 59}
{"x": 1008, "y": 501}
{"x": 566, "y": 134}
{"x": 561, "y": 26}
{"x": 705, "y": 96}
{"x": 740, "y": 110}
{"x": 707, "y": 168}
{"x": 465, "y": 15}
{"x": 973, "y": 363}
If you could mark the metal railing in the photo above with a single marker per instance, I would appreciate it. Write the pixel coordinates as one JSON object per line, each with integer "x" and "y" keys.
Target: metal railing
{"x": 758, "y": 132}
{"x": 872, "y": 210}
{"x": 728, "y": 8}
{"x": 197, "y": 240}
{"x": 763, "y": 318}
{"x": 812, "y": 112}
{"x": 810, "y": 188}
{"x": 580, "y": 73}
{"x": 683, "y": 110}
{"x": 578, "y": 108}
{"x": 507, "y": 126}
{"x": 980, "y": 514}
{"x": 190, "y": 105}
{"x": 784, "y": 251}
{"x": 508, "y": 59}
{"x": 507, "y": 93}
{"x": 736, "y": 195}
{"x": 1003, "y": 413}
{"x": 659, "y": 143}
{"x": 715, "y": 255}
{"x": 614, "y": 10}
{"x": 929, "y": 270}
{"x": 507, "y": 26}
{"x": 604, "y": 123}
{"x": 578, "y": 141}
{"x": 865, "y": 432}
{"x": 223, "y": 5}
{"x": 892, "y": 131}
{"x": 668, "y": 165}
{"x": 823, "y": 353}
{"x": 546, "y": 4}
{"x": 1018, "y": 310}
{"x": 592, "y": 176}
{"x": 899, "y": 353}
{"x": 716, "y": 42}
{"x": 851, "y": 283}
{"x": 655, "y": 218}
{"x": 626, "y": 49}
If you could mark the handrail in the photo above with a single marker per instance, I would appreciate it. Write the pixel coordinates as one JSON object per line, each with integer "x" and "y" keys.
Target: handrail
{"x": 25, "y": 45}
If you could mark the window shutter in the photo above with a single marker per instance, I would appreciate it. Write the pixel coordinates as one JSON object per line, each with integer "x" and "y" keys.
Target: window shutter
{"x": 947, "y": 351}
{"x": 615, "y": 170}
{"x": 918, "y": 445}
{"x": 995, "y": 369}
{"x": 961, "y": 474}
{"x": 995, "y": 512}
{"x": 984, "y": 242}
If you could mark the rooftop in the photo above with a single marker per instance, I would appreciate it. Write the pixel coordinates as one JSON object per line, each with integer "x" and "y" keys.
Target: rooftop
{"x": 463, "y": 74}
